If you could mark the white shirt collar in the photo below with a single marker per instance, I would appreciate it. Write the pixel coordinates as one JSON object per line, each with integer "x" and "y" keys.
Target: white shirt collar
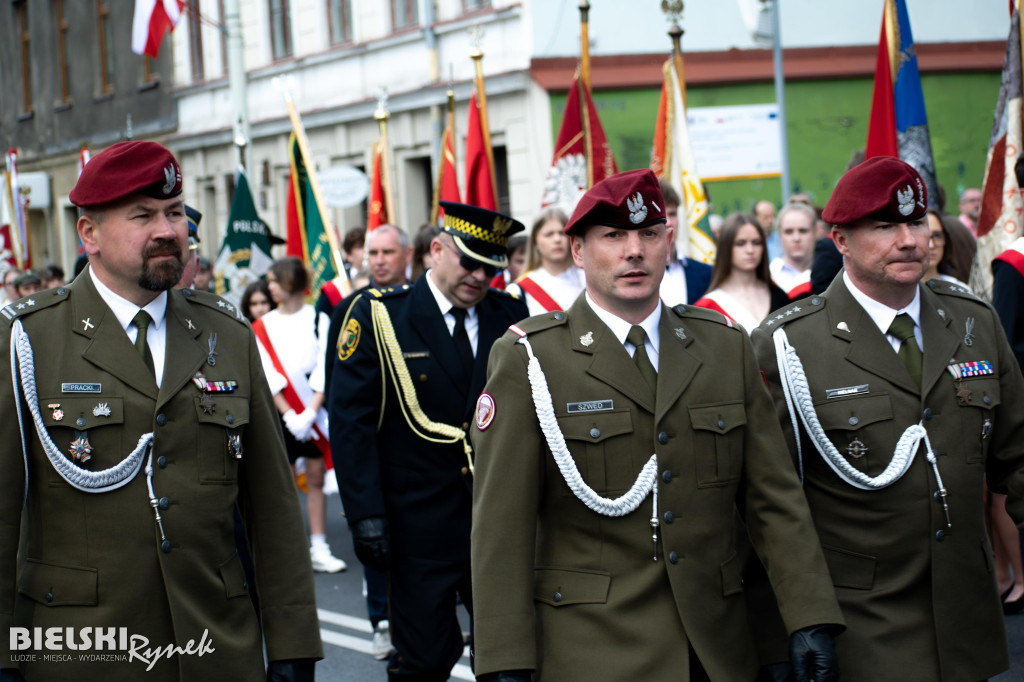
{"x": 881, "y": 314}
{"x": 442, "y": 301}
{"x": 620, "y": 328}
{"x": 124, "y": 310}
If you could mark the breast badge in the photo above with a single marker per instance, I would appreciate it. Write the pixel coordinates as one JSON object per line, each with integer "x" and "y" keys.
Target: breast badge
{"x": 81, "y": 449}
{"x": 484, "y": 411}
{"x": 349, "y": 340}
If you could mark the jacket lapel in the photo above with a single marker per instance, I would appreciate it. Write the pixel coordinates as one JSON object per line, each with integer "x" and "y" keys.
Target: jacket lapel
{"x": 108, "y": 345}
{"x": 940, "y": 343}
{"x": 676, "y": 365}
{"x": 610, "y": 363}
{"x": 868, "y": 348}
{"x": 428, "y": 322}
{"x": 185, "y": 353}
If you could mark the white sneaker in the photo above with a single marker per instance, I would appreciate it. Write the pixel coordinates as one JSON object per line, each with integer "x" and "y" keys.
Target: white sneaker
{"x": 382, "y": 641}
{"x": 324, "y": 561}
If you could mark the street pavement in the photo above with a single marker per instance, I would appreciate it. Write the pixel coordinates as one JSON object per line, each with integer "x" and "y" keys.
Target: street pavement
{"x": 346, "y": 631}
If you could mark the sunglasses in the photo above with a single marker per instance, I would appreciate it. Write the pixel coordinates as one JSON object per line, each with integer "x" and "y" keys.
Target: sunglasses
{"x": 471, "y": 264}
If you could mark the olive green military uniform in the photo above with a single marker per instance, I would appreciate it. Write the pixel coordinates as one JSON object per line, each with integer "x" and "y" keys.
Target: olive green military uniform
{"x": 918, "y": 594}
{"x": 75, "y": 560}
{"x": 576, "y": 595}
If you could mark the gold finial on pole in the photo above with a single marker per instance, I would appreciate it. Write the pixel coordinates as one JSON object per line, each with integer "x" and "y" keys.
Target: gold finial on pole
{"x": 673, "y": 10}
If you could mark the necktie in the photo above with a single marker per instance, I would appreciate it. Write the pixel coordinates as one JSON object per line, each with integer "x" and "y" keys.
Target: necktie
{"x": 637, "y": 337}
{"x": 462, "y": 345}
{"x": 141, "y": 322}
{"x": 910, "y": 353}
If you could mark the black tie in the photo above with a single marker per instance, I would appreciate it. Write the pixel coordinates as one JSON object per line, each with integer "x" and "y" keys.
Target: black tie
{"x": 141, "y": 322}
{"x": 637, "y": 336}
{"x": 462, "y": 345}
{"x": 910, "y": 354}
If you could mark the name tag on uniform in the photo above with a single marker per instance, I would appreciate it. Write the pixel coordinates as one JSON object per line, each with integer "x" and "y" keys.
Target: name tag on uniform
{"x": 590, "y": 406}
{"x": 416, "y": 355}
{"x": 81, "y": 388}
{"x": 843, "y": 392}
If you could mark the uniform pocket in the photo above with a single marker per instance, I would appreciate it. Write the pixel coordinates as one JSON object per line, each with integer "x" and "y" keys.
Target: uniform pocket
{"x": 732, "y": 575}
{"x": 850, "y": 569}
{"x": 233, "y": 575}
{"x": 602, "y": 457}
{"x": 977, "y": 414}
{"x": 861, "y": 429}
{"x": 59, "y": 584}
{"x": 90, "y": 416}
{"x": 567, "y": 586}
{"x": 218, "y": 425}
{"x": 718, "y": 442}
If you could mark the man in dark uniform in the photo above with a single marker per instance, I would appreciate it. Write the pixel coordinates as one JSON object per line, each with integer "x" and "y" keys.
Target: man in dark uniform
{"x": 144, "y": 418}
{"x": 594, "y": 559}
{"x": 1008, "y": 295}
{"x": 898, "y": 400}
{"x": 410, "y": 363}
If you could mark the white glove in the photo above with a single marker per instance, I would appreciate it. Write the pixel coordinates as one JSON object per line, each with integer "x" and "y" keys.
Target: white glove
{"x": 293, "y": 421}
{"x": 303, "y": 425}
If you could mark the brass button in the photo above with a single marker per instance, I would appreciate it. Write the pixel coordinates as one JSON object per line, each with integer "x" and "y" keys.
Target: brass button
{"x": 423, "y": 377}
{"x": 465, "y": 470}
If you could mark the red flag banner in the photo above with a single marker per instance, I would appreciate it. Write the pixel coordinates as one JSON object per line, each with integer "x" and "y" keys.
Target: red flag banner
{"x": 479, "y": 181}
{"x": 1001, "y": 219}
{"x": 582, "y": 155}
{"x": 449, "y": 190}
{"x": 152, "y": 20}
{"x": 378, "y": 212}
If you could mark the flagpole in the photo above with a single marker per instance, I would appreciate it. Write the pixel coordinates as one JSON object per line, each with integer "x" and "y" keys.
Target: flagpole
{"x": 314, "y": 181}
{"x": 381, "y": 115}
{"x": 448, "y": 128}
{"x": 585, "y": 44}
{"x": 15, "y": 228}
{"x": 477, "y": 56}
{"x": 676, "y": 34}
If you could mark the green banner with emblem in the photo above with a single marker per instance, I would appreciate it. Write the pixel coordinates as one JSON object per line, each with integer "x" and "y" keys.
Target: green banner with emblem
{"x": 307, "y": 230}
{"x": 245, "y": 253}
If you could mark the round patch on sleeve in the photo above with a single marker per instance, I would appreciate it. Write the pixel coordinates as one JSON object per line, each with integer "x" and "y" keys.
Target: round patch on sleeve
{"x": 349, "y": 339}
{"x": 484, "y": 411}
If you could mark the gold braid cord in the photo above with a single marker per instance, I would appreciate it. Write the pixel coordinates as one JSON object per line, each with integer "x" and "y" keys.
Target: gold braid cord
{"x": 420, "y": 423}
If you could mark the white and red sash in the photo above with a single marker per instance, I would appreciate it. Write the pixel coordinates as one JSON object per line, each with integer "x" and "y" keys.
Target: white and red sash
{"x": 542, "y": 297}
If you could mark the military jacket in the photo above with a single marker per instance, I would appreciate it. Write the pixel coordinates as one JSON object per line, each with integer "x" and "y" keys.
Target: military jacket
{"x": 575, "y": 595}
{"x": 918, "y": 593}
{"x": 80, "y": 561}
{"x": 388, "y": 466}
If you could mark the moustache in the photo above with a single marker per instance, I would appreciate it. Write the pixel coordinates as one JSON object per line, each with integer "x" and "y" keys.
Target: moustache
{"x": 163, "y": 248}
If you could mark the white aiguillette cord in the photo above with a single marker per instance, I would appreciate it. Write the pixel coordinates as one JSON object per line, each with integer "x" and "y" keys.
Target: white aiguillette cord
{"x": 645, "y": 483}
{"x": 798, "y": 402}
{"x": 23, "y": 367}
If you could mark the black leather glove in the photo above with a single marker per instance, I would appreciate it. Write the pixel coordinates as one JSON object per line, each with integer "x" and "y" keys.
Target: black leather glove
{"x": 812, "y": 651}
{"x": 507, "y": 676}
{"x": 776, "y": 672}
{"x": 373, "y": 542}
{"x": 292, "y": 670}
{"x": 11, "y": 675}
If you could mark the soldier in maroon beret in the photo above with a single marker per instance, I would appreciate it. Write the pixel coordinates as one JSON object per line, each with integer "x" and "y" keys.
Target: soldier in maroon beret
{"x": 604, "y": 546}
{"x": 143, "y": 420}
{"x": 893, "y": 395}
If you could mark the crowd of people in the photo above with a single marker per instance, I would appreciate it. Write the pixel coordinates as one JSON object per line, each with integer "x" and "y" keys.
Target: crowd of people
{"x": 566, "y": 430}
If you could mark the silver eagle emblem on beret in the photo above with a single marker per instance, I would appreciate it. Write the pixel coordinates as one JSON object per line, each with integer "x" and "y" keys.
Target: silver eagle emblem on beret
{"x": 637, "y": 210}
{"x": 906, "y": 199}
{"x": 171, "y": 178}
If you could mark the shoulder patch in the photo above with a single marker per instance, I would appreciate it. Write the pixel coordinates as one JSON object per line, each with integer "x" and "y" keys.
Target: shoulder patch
{"x": 388, "y": 292}
{"x": 796, "y": 309}
{"x": 692, "y": 312}
{"x": 30, "y": 304}
{"x": 537, "y": 323}
{"x": 214, "y": 301}
{"x": 941, "y": 286}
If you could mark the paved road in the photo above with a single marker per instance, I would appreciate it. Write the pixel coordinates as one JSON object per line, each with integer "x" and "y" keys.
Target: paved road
{"x": 346, "y": 632}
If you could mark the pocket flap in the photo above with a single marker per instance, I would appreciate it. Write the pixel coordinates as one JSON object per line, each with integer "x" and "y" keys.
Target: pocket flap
{"x": 852, "y": 414}
{"x": 564, "y": 586}
{"x": 718, "y": 418}
{"x": 59, "y": 585}
{"x": 80, "y": 412}
{"x": 233, "y": 575}
{"x": 227, "y": 411}
{"x": 732, "y": 575}
{"x": 850, "y": 569}
{"x": 595, "y": 427}
{"x": 984, "y": 392}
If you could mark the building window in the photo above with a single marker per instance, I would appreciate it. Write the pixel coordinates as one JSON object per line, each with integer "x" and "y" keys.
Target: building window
{"x": 404, "y": 13}
{"x": 470, "y": 5}
{"x": 340, "y": 18}
{"x": 195, "y": 43}
{"x": 62, "y": 30}
{"x": 280, "y": 29}
{"x": 26, "y": 56}
{"x": 106, "y": 41}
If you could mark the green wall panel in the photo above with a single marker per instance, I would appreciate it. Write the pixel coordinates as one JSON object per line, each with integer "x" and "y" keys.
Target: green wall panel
{"x": 827, "y": 122}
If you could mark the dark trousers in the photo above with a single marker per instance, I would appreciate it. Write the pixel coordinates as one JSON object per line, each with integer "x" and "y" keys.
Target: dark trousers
{"x": 424, "y": 626}
{"x": 376, "y": 595}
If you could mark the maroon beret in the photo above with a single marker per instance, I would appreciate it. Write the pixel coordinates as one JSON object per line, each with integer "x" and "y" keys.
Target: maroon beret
{"x": 628, "y": 200}
{"x": 883, "y": 188}
{"x": 128, "y": 168}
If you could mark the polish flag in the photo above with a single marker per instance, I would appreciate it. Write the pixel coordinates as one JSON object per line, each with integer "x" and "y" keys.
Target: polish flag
{"x": 152, "y": 19}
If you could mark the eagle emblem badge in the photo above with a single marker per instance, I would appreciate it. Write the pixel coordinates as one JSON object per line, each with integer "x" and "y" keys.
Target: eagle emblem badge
{"x": 637, "y": 210}
{"x": 905, "y": 197}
